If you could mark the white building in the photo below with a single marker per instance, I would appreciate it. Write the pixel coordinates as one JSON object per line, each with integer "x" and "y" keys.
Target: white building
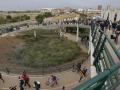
{"x": 46, "y": 10}
{"x": 111, "y": 14}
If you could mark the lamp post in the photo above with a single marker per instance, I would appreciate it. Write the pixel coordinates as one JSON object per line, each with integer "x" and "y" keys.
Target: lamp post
{"x": 77, "y": 34}
{"x": 35, "y": 35}
{"x": 60, "y": 27}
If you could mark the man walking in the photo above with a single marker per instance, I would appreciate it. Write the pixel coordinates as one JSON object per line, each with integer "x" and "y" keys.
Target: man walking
{"x": 1, "y": 78}
{"x": 37, "y": 85}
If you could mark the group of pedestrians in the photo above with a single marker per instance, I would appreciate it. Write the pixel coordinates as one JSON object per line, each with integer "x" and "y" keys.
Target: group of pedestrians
{"x": 104, "y": 25}
{"x": 109, "y": 25}
{"x": 115, "y": 31}
{"x": 24, "y": 80}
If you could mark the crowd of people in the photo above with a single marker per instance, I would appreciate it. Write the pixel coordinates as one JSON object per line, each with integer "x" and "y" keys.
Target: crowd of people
{"x": 108, "y": 25}
{"x": 105, "y": 25}
{"x": 24, "y": 81}
{"x": 53, "y": 80}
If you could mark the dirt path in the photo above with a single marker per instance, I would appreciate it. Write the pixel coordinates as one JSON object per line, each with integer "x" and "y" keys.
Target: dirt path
{"x": 67, "y": 78}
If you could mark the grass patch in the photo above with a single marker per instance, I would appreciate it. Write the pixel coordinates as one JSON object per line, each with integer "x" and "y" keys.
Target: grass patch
{"x": 82, "y": 31}
{"x": 47, "y": 50}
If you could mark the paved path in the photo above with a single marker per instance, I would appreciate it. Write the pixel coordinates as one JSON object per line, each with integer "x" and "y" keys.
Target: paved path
{"x": 116, "y": 59}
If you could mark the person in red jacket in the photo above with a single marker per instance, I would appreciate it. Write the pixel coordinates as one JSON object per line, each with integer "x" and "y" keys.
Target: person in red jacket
{"x": 26, "y": 78}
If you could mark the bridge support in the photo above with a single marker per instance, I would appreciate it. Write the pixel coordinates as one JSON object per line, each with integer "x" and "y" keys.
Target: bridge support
{"x": 91, "y": 51}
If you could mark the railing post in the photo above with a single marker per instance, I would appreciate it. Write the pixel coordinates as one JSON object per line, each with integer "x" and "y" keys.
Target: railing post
{"x": 99, "y": 51}
{"x": 94, "y": 34}
{"x": 98, "y": 44}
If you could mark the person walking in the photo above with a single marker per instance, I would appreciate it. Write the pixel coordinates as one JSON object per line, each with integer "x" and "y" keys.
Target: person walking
{"x": 114, "y": 24}
{"x": 26, "y": 79}
{"x": 102, "y": 26}
{"x": 73, "y": 67}
{"x": 63, "y": 88}
{"x": 82, "y": 73}
{"x": 21, "y": 83}
{"x": 78, "y": 67}
{"x": 117, "y": 31}
{"x": 37, "y": 85}
{"x": 1, "y": 78}
{"x": 93, "y": 25}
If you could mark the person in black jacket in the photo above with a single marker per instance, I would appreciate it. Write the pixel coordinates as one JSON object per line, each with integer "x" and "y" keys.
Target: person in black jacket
{"x": 117, "y": 32}
{"x": 114, "y": 24}
{"x": 106, "y": 23}
{"x": 102, "y": 26}
{"x": 37, "y": 85}
{"x": 21, "y": 83}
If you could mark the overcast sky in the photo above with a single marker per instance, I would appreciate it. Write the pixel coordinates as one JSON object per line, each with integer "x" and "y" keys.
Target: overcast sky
{"x": 37, "y": 4}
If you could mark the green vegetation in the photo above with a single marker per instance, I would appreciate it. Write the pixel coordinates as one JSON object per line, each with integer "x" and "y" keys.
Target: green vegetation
{"x": 82, "y": 31}
{"x": 47, "y": 50}
{"x": 20, "y": 18}
{"x": 10, "y": 19}
{"x": 2, "y": 20}
{"x": 41, "y": 17}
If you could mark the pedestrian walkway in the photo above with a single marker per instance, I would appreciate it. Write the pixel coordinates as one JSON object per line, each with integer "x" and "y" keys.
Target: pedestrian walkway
{"x": 68, "y": 78}
{"x": 109, "y": 33}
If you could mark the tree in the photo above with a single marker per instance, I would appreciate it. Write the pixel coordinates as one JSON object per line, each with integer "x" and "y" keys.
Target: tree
{"x": 39, "y": 18}
{"x": 47, "y": 14}
{"x": 16, "y": 19}
{"x": 25, "y": 17}
{"x": 8, "y": 17}
{"x": 2, "y": 20}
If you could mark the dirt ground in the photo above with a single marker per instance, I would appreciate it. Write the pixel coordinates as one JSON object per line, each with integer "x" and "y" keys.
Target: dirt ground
{"x": 8, "y": 46}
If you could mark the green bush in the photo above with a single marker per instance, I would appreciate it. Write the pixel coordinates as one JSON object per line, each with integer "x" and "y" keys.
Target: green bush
{"x": 41, "y": 17}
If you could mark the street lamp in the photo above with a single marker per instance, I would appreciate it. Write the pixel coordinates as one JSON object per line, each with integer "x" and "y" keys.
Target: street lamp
{"x": 77, "y": 35}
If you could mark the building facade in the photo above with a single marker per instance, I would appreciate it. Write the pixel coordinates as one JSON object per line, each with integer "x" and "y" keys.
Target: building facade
{"x": 111, "y": 14}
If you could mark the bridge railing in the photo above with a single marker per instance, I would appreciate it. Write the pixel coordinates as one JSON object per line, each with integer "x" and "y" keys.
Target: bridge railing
{"x": 106, "y": 60}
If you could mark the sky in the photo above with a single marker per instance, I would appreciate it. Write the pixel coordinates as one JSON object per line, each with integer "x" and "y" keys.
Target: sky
{"x": 38, "y": 4}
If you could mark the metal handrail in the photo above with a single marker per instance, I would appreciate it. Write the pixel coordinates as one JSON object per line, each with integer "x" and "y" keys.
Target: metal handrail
{"x": 101, "y": 77}
{"x": 97, "y": 82}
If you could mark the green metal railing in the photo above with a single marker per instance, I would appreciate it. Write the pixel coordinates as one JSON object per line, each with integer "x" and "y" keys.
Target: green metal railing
{"x": 106, "y": 60}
